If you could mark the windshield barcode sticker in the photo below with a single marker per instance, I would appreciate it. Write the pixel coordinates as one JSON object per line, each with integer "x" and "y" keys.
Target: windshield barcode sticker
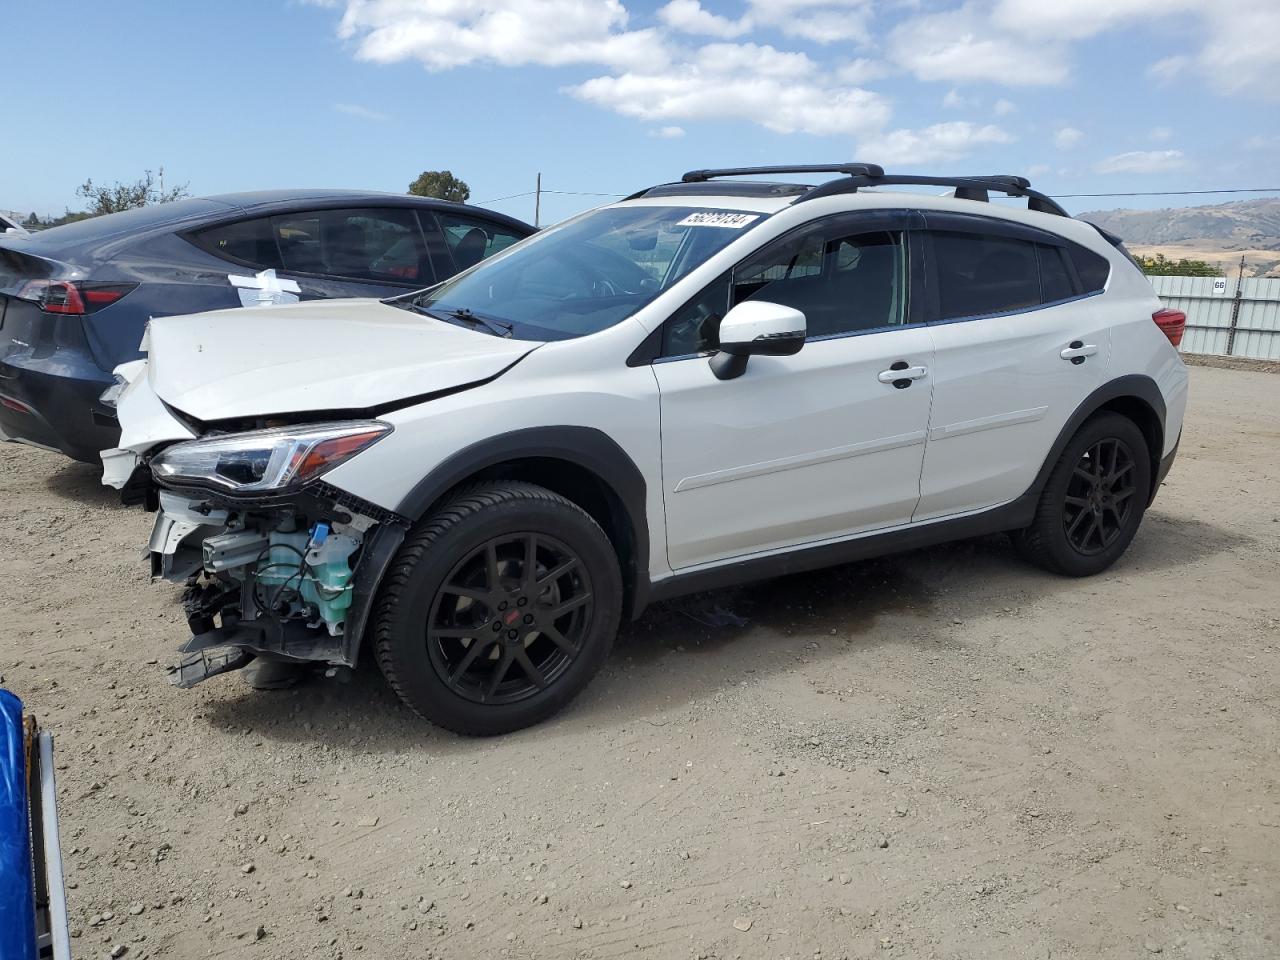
{"x": 717, "y": 218}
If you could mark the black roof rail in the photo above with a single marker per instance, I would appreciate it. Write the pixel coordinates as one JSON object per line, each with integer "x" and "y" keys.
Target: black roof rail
{"x": 719, "y": 188}
{"x": 966, "y": 188}
{"x": 852, "y": 169}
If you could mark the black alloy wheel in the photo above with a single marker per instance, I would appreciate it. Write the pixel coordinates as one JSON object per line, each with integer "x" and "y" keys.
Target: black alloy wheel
{"x": 498, "y": 609}
{"x": 510, "y": 618}
{"x": 1093, "y": 500}
{"x": 1099, "y": 496}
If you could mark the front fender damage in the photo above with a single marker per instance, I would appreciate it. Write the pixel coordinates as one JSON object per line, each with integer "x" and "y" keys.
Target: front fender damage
{"x": 292, "y": 578}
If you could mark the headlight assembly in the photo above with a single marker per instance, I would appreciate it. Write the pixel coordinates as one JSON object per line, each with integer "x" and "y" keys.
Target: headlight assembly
{"x": 266, "y": 460}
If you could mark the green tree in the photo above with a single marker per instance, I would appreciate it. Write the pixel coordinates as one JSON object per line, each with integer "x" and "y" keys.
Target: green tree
{"x": 1161, "y": 266}
{"x": 32, "y": 220}
{"x": 441, "y": 184}
{"x": 126, "y": 196}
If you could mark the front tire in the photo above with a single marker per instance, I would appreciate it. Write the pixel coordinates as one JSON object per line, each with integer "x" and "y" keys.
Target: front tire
{"x": 1093, "y": 501}
{"x": 499, "y": 609}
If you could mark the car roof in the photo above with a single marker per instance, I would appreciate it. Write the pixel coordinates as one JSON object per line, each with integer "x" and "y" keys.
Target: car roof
{"x": 192, "y": 212}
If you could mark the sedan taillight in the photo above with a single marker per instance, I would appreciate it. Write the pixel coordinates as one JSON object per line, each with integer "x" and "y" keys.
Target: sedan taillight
{"x": 68, "y": 296}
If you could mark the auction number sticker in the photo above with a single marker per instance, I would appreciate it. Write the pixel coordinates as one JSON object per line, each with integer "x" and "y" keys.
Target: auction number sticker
{"x": 717, "y": 218}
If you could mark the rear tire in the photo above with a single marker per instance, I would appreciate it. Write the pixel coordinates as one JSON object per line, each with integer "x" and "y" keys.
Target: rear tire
{"x": 1093, "y": 501}
{"x": 498, "y": 610}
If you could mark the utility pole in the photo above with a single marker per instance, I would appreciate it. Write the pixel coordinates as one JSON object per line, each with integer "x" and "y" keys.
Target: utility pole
{"x": 162, "y": 179}
{"x": 537, "y": 202}
{"x": 1235, "y": 309}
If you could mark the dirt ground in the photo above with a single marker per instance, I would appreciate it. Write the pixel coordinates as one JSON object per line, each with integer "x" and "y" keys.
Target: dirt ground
{"x": 939, "y": 754}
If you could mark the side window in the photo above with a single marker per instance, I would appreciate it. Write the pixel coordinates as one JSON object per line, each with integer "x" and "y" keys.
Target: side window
{"x": 471, "y": 239}
{"x": 245, "y": 241}
{"x": 377, "y": 245}
{"x": 979, "y": 274}
{"x": 1092, "y": 269}
{"x": 1055, "y": 276}
{"x": 842, "y": 283}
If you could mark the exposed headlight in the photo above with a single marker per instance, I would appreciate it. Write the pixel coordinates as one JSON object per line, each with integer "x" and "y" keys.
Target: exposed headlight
{"x": 263, "y": 460}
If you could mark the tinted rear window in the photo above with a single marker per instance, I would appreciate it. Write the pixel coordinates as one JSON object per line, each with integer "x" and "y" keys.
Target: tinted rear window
{"x": 980, "y": 274}
{"x": 1092, "y": 269}
{"x": 129, "y": 221}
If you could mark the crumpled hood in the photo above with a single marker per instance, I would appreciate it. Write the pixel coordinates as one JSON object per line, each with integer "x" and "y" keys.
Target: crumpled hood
{"x": 318, "y": 355}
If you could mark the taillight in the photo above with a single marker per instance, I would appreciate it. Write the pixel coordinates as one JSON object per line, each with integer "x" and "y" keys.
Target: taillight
{"x": 67, "y": 296}
{"x": 1171, "y": 324}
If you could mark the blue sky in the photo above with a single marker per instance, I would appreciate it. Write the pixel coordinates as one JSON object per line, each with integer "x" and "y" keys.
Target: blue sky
{"x": 606, "y": 96}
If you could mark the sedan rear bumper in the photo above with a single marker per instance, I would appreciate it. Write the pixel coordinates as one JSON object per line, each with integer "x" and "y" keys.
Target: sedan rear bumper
{"x": 46, "y": 404}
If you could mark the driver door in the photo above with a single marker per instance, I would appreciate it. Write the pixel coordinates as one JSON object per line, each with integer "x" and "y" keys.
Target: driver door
{"x": 811, "y": 447}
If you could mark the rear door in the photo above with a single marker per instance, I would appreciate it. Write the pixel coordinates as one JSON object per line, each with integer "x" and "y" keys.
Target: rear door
{"x": 1019, "y": 342}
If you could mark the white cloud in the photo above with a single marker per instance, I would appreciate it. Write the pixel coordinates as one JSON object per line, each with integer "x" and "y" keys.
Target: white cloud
{"x": 1037, "y": 170}
{"x": 784, "y": 92}
{"x": 1160, "y": 134}
{"x": 954, "y": 101}
{"x": 1168, "y": 69}
{"x": 452, "y": 33}
{"x": 667, "y": 133}
{"x": 822, "y": 21}
{"x": 860, "y": 71}
{"x": 1080, "y": 19}
{"x": 1067, "y": 137}
{"x": 1003, "y": 108}
{"x": 961, "y": 46}
{"x": 1242, "y": 56}
{"x": 1142, "y": 161}
{"x": 942, "y": 141}
{"x": 689, "y": 16}
{"x": 364, "y": 113}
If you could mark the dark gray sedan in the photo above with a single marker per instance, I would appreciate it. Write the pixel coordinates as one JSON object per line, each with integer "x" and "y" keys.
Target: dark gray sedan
{"x": 74, "y": 300}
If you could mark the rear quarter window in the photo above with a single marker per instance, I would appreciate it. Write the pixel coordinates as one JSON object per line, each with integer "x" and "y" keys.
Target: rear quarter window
{"x": 1093, "y": 270}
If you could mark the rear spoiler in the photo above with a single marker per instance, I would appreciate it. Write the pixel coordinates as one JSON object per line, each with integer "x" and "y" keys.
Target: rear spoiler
{"x": 17, "y": 264}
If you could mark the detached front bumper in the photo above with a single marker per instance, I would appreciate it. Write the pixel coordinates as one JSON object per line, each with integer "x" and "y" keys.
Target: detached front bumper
{"x": 270, "y": 578}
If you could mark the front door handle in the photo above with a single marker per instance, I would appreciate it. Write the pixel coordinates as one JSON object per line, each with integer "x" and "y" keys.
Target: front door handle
{"x": 902, "y": 373}
{"x": 1077, "y": 350}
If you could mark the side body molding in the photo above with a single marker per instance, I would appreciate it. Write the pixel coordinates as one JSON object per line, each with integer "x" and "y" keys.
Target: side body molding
{"x": 585, "y": 447}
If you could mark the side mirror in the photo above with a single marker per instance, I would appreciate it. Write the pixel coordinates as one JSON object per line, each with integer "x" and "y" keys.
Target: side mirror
{"x": 756, "y": 328}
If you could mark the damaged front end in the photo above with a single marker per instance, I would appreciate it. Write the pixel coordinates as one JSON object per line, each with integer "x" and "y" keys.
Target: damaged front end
{"x": 277, "y": 563}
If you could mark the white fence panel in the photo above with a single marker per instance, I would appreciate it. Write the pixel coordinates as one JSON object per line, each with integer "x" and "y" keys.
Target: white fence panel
{"x": 1257, "y": 322}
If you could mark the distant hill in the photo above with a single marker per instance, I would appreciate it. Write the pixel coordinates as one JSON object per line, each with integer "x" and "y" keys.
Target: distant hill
{"x": 1219, "y": 233}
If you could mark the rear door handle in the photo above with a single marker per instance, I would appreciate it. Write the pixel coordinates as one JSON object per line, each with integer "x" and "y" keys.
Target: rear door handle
{"x": 901, "y": 374}
{"x": 1077, "y": 350}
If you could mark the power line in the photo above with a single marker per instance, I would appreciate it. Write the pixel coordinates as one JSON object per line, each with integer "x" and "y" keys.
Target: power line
{"x": 566, "y": 193}
{"x": 527, "y": 193}
{"x": 1167, "y": 193}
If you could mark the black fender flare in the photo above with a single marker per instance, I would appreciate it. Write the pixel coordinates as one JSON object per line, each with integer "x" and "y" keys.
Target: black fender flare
{"x": 589, "y": 448}
{"x": 1135, "y": 385}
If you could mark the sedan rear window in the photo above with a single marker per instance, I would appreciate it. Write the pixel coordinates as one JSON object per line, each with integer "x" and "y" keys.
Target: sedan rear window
{"x": 380, "y": 245}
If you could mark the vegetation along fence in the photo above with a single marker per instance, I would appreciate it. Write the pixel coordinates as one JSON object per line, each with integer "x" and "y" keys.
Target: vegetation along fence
{"x": 1226, "y": 317}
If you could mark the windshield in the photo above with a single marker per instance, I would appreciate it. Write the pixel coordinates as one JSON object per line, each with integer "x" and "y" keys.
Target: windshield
{"x": 589, "y": 273}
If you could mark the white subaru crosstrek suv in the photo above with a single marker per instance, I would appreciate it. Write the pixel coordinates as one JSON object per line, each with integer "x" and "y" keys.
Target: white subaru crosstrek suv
{"x": 709, "y": 382}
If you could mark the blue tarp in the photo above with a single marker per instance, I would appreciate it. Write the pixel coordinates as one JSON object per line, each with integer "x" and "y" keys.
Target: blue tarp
{"x": 17, "y": 892}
